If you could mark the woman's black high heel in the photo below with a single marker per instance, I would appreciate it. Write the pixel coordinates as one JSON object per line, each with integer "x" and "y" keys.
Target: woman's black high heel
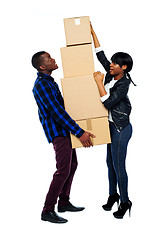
{"x": 111, "y": 200}
{"x": 123, "y": 207}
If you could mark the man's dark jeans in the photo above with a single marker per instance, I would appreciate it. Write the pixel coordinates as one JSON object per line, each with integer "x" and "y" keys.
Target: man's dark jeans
{"x": 66, "y": 164}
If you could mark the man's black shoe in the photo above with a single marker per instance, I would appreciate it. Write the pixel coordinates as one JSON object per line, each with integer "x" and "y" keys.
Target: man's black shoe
{"x": 70, "y": 208}
{"x": 52, "y": 217}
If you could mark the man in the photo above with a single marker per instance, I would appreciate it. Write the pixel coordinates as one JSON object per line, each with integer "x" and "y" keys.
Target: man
{"x": 57, "y": 125}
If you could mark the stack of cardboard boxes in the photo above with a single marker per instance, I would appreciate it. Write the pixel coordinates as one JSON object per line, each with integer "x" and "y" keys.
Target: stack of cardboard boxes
{"x": 80, "y": 92}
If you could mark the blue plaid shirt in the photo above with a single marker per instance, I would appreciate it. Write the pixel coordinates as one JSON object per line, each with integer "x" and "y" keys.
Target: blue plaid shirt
{"x": 53, "y": 117}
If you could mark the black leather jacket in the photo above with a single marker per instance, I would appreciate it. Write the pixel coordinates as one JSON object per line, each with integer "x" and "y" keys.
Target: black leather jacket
{"x": 118, "y": 102}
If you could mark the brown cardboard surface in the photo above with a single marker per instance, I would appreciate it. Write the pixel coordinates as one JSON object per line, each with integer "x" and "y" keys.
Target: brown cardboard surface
{"x": 77, "y": 30}
{"x": 77, "y": 60}
{"x": 82, "y": 98}
{"x": 98, "y": 126}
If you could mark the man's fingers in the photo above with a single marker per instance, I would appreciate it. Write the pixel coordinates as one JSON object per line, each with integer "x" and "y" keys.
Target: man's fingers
{"x": 92, "y": 135}
{"x": 86, "y": 139}
{"x": 84, "y": 144}
{"x": 87, "y": 144}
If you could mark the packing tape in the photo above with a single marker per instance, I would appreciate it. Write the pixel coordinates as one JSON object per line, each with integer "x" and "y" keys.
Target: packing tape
{"x": 89, "y": 128}
{"x": 89, "y": 124}
{"x": 92, "y": 140}
{"x": 77, "y": 21}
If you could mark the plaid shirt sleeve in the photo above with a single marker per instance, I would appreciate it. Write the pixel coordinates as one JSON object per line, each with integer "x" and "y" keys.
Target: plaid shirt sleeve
{"x": 47, "y": 96}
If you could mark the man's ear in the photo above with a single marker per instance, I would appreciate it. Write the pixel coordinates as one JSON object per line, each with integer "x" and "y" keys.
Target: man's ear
{"x": 42, "y": 67}
{"x": 124, "y": 67}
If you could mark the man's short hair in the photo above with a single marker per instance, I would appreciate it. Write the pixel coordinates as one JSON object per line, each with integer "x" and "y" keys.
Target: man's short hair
{"x": 36, "y": 59}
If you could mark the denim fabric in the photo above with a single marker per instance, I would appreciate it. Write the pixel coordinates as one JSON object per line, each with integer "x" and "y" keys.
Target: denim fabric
{"x": 116, "y": 157}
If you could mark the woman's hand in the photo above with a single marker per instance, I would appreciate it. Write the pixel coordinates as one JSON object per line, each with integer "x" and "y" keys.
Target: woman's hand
{"x": 99, "y": 77}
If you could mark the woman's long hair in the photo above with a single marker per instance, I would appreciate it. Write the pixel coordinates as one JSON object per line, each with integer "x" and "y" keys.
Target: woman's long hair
{"x": 121, "y": 59}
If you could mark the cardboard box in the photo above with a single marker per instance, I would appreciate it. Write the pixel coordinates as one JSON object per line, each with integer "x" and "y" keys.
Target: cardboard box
{"x": 82, "y": 98}
{"x": 98, "y": 126}
{"x": 80, "y": 92}
{"x": 77, "y": 31}
{"x": 77, "y": 60}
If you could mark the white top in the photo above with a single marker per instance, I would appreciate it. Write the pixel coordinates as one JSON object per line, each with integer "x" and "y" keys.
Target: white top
{"x": 98, "y": 49}
{"x": 107, "y": 86}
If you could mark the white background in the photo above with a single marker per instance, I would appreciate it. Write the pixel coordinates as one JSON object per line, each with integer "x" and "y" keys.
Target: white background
{"x": 28, "y": 161}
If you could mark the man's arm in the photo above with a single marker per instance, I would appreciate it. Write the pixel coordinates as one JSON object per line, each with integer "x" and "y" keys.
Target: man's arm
{"x": 46, "y": 95}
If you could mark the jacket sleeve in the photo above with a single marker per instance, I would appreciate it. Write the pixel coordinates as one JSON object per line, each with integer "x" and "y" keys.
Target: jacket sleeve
{"x": 103, "y": 60}
{"x": 45, "y": 94}
{"x": 116, "y": 95}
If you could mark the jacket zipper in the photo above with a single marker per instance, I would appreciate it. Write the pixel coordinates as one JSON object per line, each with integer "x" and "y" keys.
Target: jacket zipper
{"x": 116, "y": 126}
{"x": 118, "y": 129}
{"x": 120, "y": 112}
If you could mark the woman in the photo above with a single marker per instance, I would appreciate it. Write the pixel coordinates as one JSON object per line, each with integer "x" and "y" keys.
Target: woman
{"x": 113, "y": 95}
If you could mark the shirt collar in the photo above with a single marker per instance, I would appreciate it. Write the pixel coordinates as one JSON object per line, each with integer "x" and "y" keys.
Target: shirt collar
{"x": 45, "y": 76}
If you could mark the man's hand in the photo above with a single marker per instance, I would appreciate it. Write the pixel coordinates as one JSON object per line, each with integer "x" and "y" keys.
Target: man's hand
{"x": 86, "y": 140}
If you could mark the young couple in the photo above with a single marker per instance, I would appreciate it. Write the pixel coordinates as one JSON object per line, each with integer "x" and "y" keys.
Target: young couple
{"x": 57, "y": 125}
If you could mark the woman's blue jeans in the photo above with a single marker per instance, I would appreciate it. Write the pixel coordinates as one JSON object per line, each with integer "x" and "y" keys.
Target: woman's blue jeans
{"x": 116, "y": 158}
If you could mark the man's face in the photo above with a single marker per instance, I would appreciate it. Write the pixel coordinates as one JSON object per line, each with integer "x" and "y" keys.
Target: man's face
{"x": 48, "y": 63}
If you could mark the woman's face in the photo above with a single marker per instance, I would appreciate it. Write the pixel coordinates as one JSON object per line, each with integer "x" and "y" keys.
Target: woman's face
{"x": 116, "y": 70}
